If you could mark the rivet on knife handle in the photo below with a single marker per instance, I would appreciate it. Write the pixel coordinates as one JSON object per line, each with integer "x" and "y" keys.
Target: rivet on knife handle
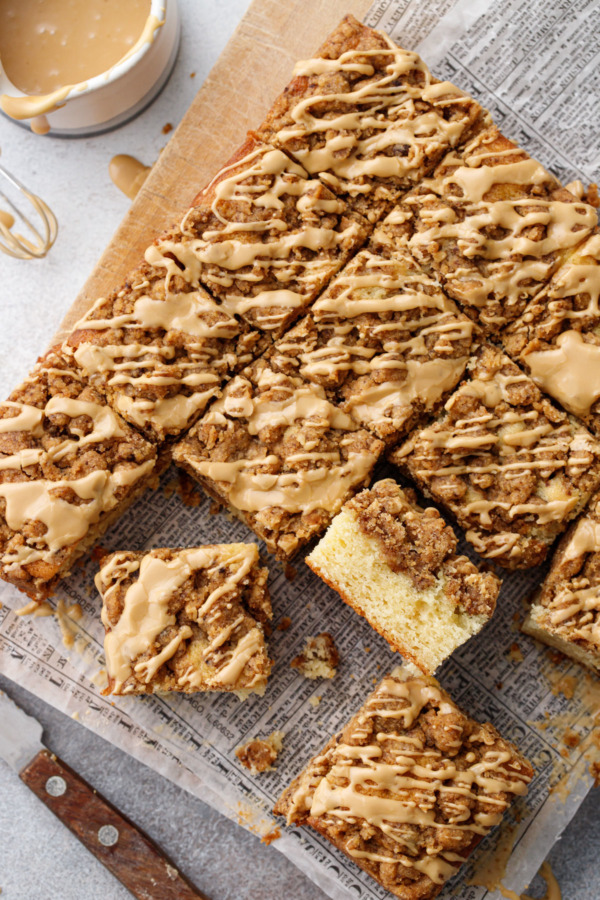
{"x": 119, "y": 845}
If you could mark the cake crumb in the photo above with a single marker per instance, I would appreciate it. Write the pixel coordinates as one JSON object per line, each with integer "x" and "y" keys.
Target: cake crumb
{"x": 188, "y": 491}
{"x": 259, "y": 754}
{"x": 271, "y": 836}
{"x": 167, "y": 127}
{"x": 319, "y": 659}
{"x": 571, "y": 738}
{"x": 192, "y": 74}
{"x": 566, "y": 686}
{"x": 515, "y": 653}
{"x": 290, "y": 571}
{"x": 314, "y": 701}
{"x": 284, "y": 624}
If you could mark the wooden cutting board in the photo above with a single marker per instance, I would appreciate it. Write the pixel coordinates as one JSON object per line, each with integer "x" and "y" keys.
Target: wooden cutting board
{"x": 255, "y": 66}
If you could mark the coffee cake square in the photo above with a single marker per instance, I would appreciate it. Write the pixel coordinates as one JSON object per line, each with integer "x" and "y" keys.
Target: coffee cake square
{"x": 410, "y": 786}
{"x": 396, "y": 564}
{"x": 279, "y": 455}
{"x": 69, "y": 467}
{"x": 494, "y": 225}
{"x": 512, "y": 468}
{"x": 263, "y": 237}
{"x": 566, "y": 611}
{"x": 185, "y": 620}
{"x": 383, "y": 341}
{"x": 368, "y": 117}
{"x": 160, "y": 349}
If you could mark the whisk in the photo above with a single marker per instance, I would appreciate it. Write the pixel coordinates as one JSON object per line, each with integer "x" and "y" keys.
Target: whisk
{"x": 39, "y": 237}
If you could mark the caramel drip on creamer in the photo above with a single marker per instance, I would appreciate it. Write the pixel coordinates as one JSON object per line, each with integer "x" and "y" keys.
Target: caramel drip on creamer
{"x": 362, "y": 143}
{"x": 322, "y": 486}
{"x": 135, "y": 364}
{"x": 249, "y": 248}
{"x": 511, "y": 442}
{"x": 39, "y": 499}
{"x": 146, "y": 614}
{"x": 397, "y": 780}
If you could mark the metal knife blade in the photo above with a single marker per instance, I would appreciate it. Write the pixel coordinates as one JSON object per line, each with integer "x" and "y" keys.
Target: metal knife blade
{"x": 20, "y": 734}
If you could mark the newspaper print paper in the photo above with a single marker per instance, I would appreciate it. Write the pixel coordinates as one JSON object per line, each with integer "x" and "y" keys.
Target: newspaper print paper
{"x": 541, "y": 93}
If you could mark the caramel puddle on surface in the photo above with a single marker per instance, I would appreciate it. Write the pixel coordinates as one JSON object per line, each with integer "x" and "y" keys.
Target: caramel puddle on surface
{"x": 128, "y": 174}
{"x": 491, "y": 868}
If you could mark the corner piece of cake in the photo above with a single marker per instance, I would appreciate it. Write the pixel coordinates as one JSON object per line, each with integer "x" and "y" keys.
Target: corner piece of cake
{"x": 557, "y": 339}
{"x": 512, "y": 468}
{"x": 409, "y": 787}
{"x": 69, "y": 467}
{"x": 566, "y": 611}
{"x": 396, "y": 564}
{"x": 368, "y": 117}
{"x": 278, "y": 455}
{"x": 185, "y": 620}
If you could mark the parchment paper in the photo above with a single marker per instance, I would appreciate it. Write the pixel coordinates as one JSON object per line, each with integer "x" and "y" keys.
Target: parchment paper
{"x": 535, "y": 65}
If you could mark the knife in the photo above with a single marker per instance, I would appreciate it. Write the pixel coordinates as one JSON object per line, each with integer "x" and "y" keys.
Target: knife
{"x": 113, "y": 839}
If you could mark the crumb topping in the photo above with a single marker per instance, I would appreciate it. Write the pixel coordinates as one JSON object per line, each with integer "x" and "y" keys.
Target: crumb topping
{"x": 66, "y": 459}
{"x": 409, "y": 787}
{"x": 419, "y": 543}
{"x": 185, "y": 620}
{"x": 511, "y": 467}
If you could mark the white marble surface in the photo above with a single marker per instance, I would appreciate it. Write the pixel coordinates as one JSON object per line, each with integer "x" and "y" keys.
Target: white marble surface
{"x": 39, "y": 859}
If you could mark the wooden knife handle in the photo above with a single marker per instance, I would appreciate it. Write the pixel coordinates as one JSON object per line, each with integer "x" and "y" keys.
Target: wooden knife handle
{"x": 119, "y": 845}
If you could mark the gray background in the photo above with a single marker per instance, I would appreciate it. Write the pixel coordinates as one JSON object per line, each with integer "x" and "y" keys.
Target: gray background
{"x": 39, "y": 859}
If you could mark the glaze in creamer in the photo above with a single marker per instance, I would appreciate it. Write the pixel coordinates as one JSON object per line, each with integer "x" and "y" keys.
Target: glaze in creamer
{"x": 49, "y": 48}
{"x": 128, "y": 174}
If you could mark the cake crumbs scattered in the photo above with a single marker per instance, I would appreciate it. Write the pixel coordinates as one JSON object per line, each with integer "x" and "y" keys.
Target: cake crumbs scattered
{"x": 167, "y": 127}
{"x": 259, "y": 754}
{"x": 566, "y": 685}
{"x": 271, "y": 836}
{"x": 367, "y": 649}
{"x": 192, "y": 74}
{"x": 284, "y": 624}
{"x": 571, "y": 738}
{"x": 319, "y": 659}
{"x": 290, "y": 571}
{"x": 314, "y": 701}
{"x": 515, "y": 653}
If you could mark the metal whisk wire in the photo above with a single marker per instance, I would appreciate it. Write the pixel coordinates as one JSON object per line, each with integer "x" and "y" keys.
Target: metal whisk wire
{"x": 40, "y": 238}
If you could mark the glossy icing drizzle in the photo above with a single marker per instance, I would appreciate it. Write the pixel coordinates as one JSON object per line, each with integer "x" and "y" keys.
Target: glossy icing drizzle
{"x": 226, "y": 646}
{"x": 254, "y": 261}
{"x": 395, "y": 784}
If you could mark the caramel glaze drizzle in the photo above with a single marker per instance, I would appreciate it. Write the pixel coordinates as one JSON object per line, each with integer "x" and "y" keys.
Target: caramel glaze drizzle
{"x": 66, "y": 507}
{"x": 151, "y": 382}
{"x": 251, "y": 257}
{"x": 393, "y": 786}
{"x": 224, "y": 644}
{"x": 501, "y": 438}
{"x": 316, "y": 479}
{"x": 571, "y": 593}
{"x": 563, "y": 352}
{"x": 394, "y": 104}
{"x": 509, "y": 220}
{"x": 386, "y": 323}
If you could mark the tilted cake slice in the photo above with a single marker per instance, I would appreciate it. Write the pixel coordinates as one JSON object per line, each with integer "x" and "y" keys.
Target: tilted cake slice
{"x": 69, "y": 467}
{"x": 396, "y": 564}
{"x": 368, "y": 117}
{"x": 185, "y": 620}
{"x": 494, "y": 225}
{"x": 512, "y": 468}
{"x": 278, "y": 455}
{"x": 566, "y": 611}
{"x": 409, "y": 787}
